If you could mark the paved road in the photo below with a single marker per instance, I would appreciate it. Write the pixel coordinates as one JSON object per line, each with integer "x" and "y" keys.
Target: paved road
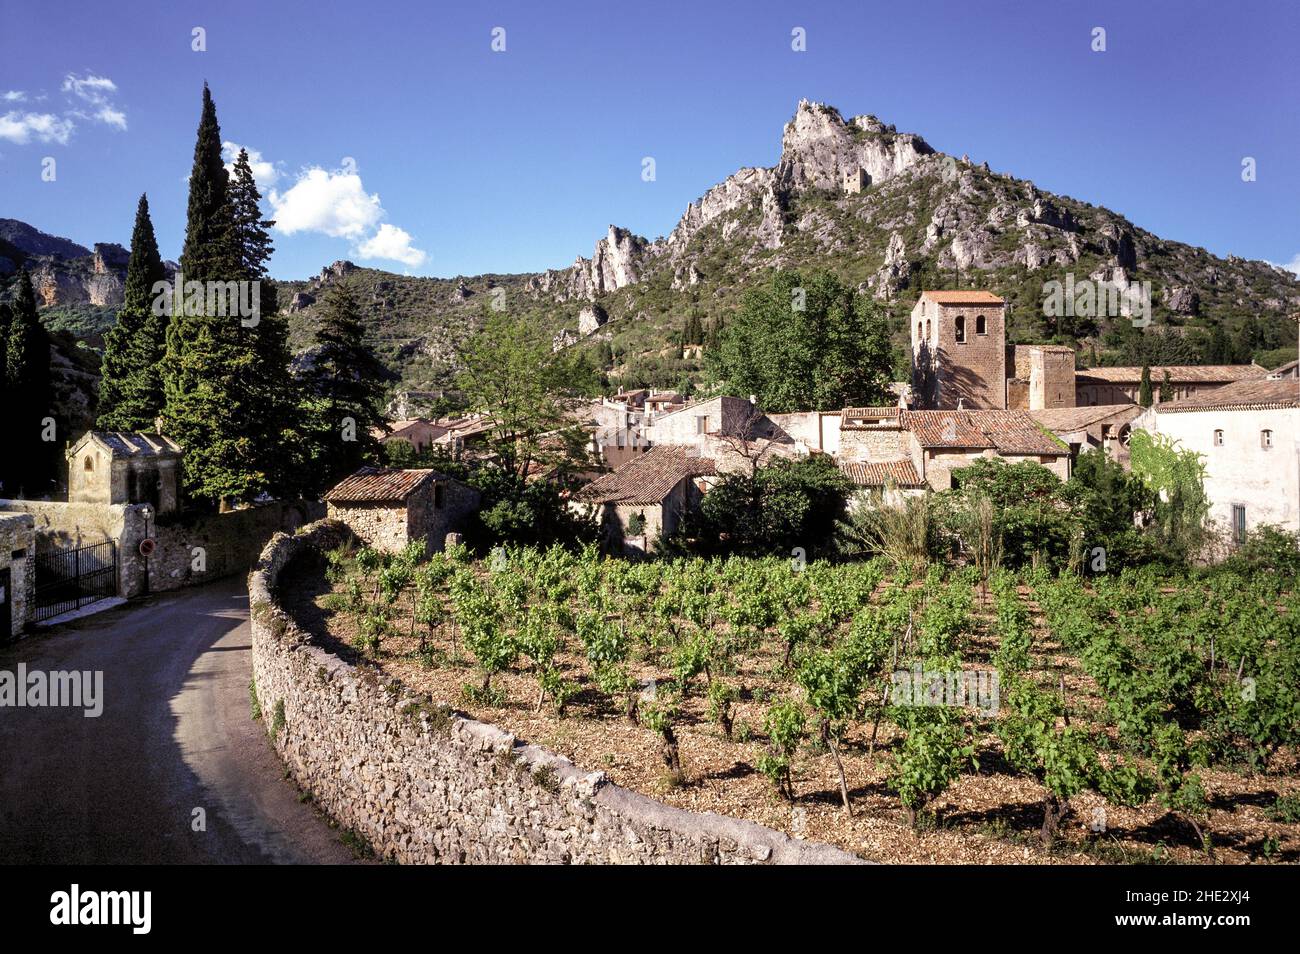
{"x": 175, "y": 735}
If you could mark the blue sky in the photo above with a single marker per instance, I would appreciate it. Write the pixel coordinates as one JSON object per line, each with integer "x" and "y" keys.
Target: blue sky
{"x": 466, "y": 160}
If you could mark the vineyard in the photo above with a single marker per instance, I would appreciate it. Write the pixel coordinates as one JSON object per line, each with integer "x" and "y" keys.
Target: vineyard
{"x": 906, "y": 716}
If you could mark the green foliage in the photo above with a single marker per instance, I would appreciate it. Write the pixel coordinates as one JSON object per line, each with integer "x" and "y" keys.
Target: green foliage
{"x": 1035, "y": 518}
{"x": 786, "y": 504}
{"x": 1176, "y": 479}
{"x": 28, "y": 465}
{"x": 937, "y": 748}
{"x": 130, "y": 387}
{"x": 805, "y": 342}
{"x": 785, "y": 724}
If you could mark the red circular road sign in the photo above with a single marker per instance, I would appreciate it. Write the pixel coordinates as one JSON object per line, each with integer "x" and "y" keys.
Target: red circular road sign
{"x": 147, "y": 546}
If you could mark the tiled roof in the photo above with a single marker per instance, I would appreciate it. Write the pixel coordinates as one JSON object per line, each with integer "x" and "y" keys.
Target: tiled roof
{"x": 1007, "y": 432}
{"x": 1077, "y": 418}
{"x": 1178, "y": 374}
{"x": 648, "y": 478}
{"x": 379, "y": 484}
{"x": 1241, "y": 396}
{"x": 869, "y": 413}
{"x": 135, "y": 443}
{"x": 1055, "y": 349}
{"x": 1288, "y": 369}
{"x": 967, "y": 296}
{"x": 900, "y": 473}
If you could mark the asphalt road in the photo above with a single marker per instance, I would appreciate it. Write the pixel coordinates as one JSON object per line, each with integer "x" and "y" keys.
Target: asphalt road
{"x": 175, "y": 735}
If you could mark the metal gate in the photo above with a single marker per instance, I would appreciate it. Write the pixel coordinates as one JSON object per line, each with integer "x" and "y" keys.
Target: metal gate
{"x": 69, "y": 579}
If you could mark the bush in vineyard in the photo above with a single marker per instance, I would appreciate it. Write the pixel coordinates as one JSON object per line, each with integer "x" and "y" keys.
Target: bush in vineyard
{"x": 785, "y": 724}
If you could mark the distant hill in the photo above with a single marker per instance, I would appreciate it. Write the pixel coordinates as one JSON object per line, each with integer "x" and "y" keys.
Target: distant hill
{"x": 880, "y": 208}
{"x": 910, "y": 218}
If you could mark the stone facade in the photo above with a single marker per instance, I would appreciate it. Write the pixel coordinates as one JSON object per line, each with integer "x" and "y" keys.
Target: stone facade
{"x": 437, "y": 506}
{"x": 1243, "y": 470}
{"x": 17, "y": 563}
{"x": 959, "y": 351}
{"x": 423, "y": 784}
{"x": 1044, "y": 378}
{"x": 230, "y": 542}
{"x": 124, "y": 468}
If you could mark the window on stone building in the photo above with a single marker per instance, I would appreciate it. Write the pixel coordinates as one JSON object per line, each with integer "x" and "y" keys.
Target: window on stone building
{"x": 90, "y": 463}
{"x": 959, "y": 329}
{"x": 927, "y": 329}
{"x": 437, "y": 496}
{"x": 1238, "y": 523}
{"x": 981, "y": 325}
{"x": 1266, "y": 438}
{"x": 1218, "y": 438}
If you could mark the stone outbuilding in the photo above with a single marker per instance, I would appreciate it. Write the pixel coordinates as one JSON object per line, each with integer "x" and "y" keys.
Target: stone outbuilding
{"x": 647, "y": 497}
{"x": 125, "y": 467}
{"x": 388, "y": 508}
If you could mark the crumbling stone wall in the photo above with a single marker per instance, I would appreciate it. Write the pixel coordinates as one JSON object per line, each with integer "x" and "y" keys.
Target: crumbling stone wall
{"x": 423, "y": 784}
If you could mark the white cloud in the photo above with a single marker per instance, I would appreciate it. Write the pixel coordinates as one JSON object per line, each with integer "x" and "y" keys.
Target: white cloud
{"x": 392, "y": 243}
{"x": 1293, "y": 266}
{"x": 266, "y": 173}
{"x": 91, "y": 88}
{"x": 20, "y": 128}
{"x": 335, "y": 203}
{"x": 14, "y": 96}
{"x": 111, "y": 117}
{"x": 98, "y": 91}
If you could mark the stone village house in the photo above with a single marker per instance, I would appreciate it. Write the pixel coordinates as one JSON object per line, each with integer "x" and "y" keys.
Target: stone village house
{"x": 119, "y": 467}
{"x": 388, "y": 508}
{"x": 1248, "y": 436}
{"x": 655, "y": 489}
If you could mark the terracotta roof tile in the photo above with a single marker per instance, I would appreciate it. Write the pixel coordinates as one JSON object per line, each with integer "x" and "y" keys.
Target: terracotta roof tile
{"x": 135, "y": 443}
{"x": 1241, "y": 396}
{"x": 379, "y": 484}
{"x": 968, "y": 296}
{"x": 1178, "y": 374}
{"x": 900, "y": 473}
{"x": 648, "y": 478}
{"x": 1077, "y": 418}
{"x": 1007, "y": 432}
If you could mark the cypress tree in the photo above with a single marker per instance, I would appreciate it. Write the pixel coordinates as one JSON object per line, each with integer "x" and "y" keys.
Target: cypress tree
{"x": 207, "y": 253}
{"x": 1166, "y": 388}
{"x": 27, "y": 380}
{"x": 1144, "y": 388}
{"x": 7, "y": 430}
{"x": 207, "y": 404}
{"x": 343, "y": 385}
{"x": 273, "y": 429}
{"x": 130, "y": 390}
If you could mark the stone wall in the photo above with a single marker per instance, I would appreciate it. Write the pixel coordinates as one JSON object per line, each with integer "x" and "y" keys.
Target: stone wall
{"x": 423, "y": 784}
{"x": 17, "y": 555}
{"x": 230, "y": 541}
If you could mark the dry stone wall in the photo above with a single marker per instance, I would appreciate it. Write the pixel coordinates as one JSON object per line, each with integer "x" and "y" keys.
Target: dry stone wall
{"x": 423, "y": 784}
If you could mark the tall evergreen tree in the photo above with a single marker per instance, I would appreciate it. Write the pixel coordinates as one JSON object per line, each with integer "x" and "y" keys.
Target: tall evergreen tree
{"x": 343, "y": 390}
{"x": 208, "y": 406}
{"x": 274, "y": 427}
{"x": 1144, "y": 387}
{"x": 207, "y": 253}
{"x": 32, "y": 465}
{"x": 8, "y": 430}
{"x": 130, "y": 389}
{"x": 1166, "y": 388}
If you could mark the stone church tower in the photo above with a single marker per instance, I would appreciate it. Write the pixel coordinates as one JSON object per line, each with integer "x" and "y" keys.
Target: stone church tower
{"x": 959, "y": 350}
